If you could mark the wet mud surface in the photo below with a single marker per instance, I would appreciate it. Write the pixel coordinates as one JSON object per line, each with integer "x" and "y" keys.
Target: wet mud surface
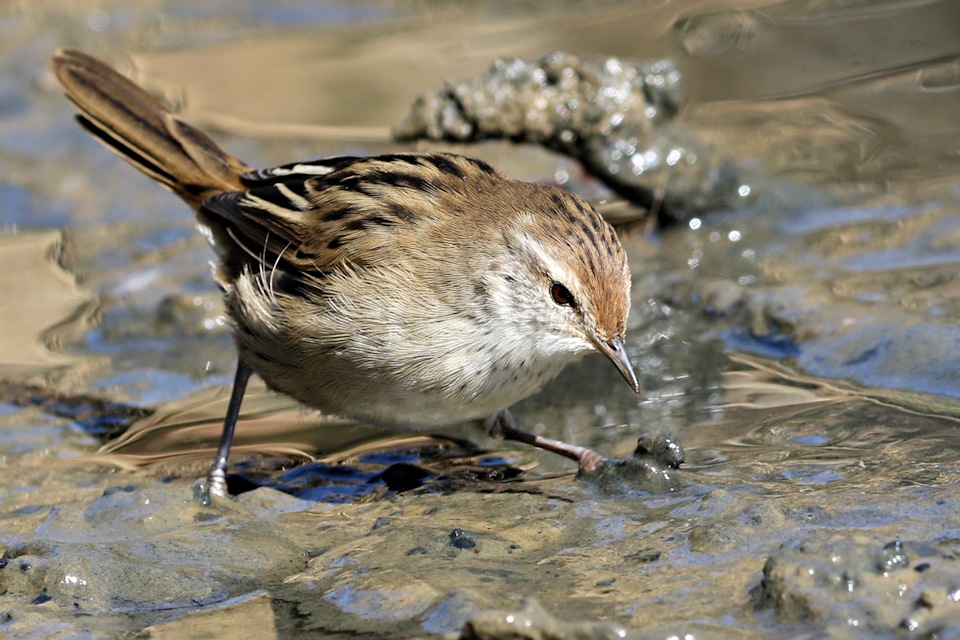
{"x": 801, "y": 345}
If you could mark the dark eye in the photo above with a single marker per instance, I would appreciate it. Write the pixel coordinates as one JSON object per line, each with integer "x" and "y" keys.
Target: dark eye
{"x": 561, "y": 295}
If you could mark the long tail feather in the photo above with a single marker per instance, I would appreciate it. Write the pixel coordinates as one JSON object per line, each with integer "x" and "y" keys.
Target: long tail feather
{"x": 141, "y": 129}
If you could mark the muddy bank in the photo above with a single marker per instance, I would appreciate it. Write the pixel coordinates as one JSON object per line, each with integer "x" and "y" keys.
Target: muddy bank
{"x": 801, "y": 347}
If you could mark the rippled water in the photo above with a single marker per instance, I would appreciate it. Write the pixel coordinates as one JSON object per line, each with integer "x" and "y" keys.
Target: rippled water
{"x": 803, "y": 347}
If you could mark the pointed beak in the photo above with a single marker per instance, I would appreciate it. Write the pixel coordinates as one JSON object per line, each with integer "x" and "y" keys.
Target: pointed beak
{"x": 617, "y": 352}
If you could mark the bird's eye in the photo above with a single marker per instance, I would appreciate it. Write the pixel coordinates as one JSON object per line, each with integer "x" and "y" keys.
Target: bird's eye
{"x": 561, "y": 295}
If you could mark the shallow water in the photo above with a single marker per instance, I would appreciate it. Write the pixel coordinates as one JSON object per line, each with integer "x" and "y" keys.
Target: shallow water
{"x": 803, "y": 347}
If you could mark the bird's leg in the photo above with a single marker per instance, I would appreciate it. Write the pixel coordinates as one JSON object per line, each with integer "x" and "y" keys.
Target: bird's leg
{"x": 217, "y": 476}
{"x": 501, "y": 425}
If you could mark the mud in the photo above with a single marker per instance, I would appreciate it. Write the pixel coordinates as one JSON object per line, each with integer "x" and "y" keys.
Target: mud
{"x": 616, "y": 117}
{"x": 801, "y": 347}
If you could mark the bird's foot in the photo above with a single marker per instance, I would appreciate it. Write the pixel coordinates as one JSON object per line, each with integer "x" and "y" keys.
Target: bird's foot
{"x": 214, "y": 485}
{"x": 588, "y": 461}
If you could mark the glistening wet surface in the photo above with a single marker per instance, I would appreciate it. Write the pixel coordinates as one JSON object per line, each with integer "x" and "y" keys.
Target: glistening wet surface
{"x": 801, "y": 344}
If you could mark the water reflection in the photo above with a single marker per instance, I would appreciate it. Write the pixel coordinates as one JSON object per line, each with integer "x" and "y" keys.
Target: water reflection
{"x": 41, "y": 308}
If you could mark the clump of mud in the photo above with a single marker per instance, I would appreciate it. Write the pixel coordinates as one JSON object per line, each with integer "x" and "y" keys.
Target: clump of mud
{"x": 873, "y": 586}
{"x": 616, "y": 117}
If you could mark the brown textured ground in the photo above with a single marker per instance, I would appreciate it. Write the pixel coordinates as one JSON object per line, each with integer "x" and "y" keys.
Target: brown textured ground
{"x": 803, "y": 347}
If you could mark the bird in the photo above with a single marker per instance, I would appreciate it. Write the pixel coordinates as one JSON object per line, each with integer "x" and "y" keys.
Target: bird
{"x": 409, "y": 291}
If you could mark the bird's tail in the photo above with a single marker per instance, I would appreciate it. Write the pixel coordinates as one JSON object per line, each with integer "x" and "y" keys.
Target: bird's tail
{"x": 141, "y": 130}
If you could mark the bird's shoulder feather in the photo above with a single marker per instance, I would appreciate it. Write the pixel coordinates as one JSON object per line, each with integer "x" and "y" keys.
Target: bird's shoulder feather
{"x": 313, "y": 217}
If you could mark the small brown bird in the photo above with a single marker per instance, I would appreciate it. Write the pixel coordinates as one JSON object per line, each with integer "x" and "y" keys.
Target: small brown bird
{"x": 408, "y": 291}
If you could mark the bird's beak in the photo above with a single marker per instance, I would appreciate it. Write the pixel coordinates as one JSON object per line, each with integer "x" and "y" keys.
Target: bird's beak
{"x": 617, "y": 352}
